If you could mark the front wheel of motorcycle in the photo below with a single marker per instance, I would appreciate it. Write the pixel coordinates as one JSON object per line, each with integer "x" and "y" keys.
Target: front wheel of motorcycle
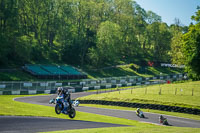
{"x": 72, "y": 113}
{"x": 58, "y": 109}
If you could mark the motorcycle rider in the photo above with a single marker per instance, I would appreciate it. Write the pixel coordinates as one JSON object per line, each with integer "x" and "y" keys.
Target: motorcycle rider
{"x": 163, "y": 120}
{"x": 66, "y": 95}
{"x": 138, "y": 111}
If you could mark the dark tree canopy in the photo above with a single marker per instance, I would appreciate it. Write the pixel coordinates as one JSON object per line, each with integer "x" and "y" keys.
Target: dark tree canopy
{"x": 91, "y": 32}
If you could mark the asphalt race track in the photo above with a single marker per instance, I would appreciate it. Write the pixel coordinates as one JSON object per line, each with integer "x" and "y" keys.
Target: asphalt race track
{"x": 22, "y": 124}
{"x": 49, "y": 123}
{"x": 150, "y": 117}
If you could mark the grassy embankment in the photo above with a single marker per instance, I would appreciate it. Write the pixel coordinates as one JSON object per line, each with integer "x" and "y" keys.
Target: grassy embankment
{"x": 10, "y": 107}
{"x": 177, "y": 94}
{"x": 124, "y": 70}
{"x": 16, "y": 75}
{"x": 132, "y": 70}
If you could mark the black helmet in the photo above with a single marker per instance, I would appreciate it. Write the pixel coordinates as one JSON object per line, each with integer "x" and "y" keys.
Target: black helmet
{"x": 60, "y": 89}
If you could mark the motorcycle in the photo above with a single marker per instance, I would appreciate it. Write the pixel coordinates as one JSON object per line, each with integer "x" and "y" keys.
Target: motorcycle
{"x": 163, "y": 120}
{"x": 140, "y": 114}
{"x": 61, "y": 108}
{"x": 74, "y": 103}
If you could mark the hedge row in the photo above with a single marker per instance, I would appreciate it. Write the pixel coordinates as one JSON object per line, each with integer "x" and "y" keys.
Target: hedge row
{"x": 145, "y": 106}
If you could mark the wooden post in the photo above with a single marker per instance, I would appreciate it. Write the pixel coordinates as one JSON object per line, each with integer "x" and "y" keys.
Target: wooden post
{"x": 160, "y": 91}
{"x": 192, "y": 91}
{"x": 175, "y": 91}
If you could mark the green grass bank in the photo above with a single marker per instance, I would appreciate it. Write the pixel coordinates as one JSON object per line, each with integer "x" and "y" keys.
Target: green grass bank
{"x": 117, "y": 71}
{"x": 177, "y": 94}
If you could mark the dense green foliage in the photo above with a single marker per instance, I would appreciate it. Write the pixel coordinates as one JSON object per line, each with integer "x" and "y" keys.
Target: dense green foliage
{"x": 186, "y": 47}
{"x": 96, "y": 32}
{"x": 93, "y": 32}
{"x": 191, "y": 47}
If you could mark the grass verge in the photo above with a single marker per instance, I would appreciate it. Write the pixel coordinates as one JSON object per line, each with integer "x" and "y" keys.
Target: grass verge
{"x": 10, "y": 107}
{"x": 138, "y": 129}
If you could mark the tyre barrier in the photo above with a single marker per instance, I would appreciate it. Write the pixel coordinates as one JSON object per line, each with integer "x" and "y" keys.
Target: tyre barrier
{"x": 145, "y": 106}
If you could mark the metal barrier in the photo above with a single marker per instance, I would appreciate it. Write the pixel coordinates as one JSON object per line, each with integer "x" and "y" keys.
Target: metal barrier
{"x": 24, "y": 87}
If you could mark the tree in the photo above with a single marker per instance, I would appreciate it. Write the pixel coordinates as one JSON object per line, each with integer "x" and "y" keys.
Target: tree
{"x": 176, "y": 51}
{"x": 177, "y": 32}
{"x": 99, "y": 32}
{"x": 191, "y": 48}
{"x": 108, "y": 44}
{"x": 153, "y": 17}
{"x": 160, "y": 38}
{"x": 9, "y": 32}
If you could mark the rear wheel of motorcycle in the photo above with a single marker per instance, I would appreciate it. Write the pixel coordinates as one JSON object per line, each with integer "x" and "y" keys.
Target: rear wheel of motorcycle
{"x": 142, "y": 116}
{"x": 72, "y": 113}
{"x": 58, "y": 109}
{"x": 165, "y": 123}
